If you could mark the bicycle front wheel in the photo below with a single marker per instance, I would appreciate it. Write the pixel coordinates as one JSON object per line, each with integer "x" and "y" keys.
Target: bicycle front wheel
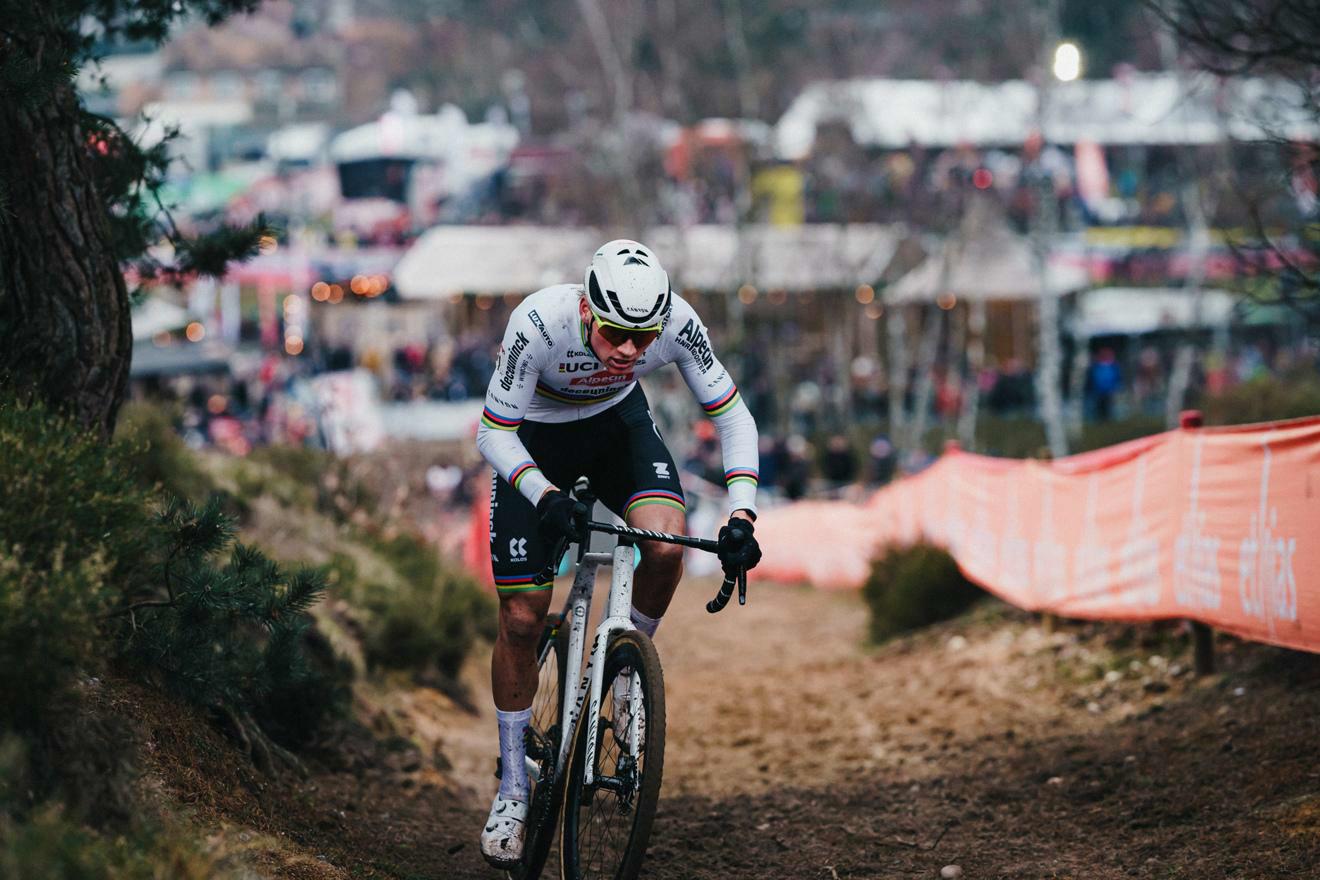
{"x": 542, "y": 740}
{"x": 607, "y": 824}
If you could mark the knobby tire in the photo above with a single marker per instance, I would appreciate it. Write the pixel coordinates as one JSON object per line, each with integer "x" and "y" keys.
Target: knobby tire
{"x": 590, "y": 847}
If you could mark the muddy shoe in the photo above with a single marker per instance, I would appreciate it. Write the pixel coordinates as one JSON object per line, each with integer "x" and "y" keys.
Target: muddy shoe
{"x": 502, "y": 839}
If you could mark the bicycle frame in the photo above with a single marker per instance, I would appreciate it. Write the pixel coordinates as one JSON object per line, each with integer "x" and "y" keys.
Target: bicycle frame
{"x": 588, "y": 687}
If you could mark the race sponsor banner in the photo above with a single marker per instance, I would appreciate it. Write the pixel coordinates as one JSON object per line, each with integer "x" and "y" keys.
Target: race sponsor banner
{"x": 1216, "y": 525}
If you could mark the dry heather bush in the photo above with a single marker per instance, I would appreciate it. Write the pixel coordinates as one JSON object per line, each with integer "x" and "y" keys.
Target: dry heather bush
{"x": 912, "y": 587}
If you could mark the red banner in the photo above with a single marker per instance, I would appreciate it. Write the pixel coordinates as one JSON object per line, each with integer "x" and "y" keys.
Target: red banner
{"x": 1208, "y": 524}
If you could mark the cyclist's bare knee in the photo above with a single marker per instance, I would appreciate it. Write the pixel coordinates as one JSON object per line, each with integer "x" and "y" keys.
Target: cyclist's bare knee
{"x": 521, "y": 617}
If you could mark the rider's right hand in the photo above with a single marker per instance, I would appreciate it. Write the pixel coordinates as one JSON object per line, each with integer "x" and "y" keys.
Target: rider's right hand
{"x": 561, "y": 517}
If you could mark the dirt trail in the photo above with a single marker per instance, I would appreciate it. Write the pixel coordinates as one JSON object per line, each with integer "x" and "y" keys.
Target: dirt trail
{"x": 796, "y": 752}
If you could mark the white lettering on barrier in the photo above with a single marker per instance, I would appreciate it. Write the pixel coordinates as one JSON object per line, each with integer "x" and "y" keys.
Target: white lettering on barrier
{"x": 1267, "y": 585}
{"x": 1091, "y": 564}
{"x": 982, "y": 543}
{"x": 1015, "y": 550}
{"x": 1139, "y": 555}
{"x": 955, "y": 527}
{"x": 1196, "y": 581}
{"x": 1050, "y": 562}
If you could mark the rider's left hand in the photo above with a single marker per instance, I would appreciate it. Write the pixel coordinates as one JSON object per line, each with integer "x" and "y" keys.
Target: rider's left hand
{"x": 738, "y": 550}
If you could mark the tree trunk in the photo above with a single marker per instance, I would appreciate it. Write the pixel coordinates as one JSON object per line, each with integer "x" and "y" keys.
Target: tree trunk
{"x": 65, "y": 327}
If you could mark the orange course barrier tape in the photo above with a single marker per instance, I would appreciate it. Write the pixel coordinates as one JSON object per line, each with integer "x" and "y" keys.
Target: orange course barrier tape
{"x": 1213, "y": 524}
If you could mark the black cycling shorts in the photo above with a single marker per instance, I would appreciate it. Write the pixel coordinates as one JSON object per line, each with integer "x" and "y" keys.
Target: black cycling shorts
{"x": 620, "y": 451}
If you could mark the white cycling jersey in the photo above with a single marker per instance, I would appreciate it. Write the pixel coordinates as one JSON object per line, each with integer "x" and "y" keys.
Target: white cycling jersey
{"x": 546, "y": 372}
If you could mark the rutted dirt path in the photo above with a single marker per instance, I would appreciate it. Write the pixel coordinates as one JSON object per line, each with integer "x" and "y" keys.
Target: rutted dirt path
{"x": 796, "y": 752}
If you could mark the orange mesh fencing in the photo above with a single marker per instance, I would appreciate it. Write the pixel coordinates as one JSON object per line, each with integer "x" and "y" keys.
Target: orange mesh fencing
{"x": 1213, "y": 524}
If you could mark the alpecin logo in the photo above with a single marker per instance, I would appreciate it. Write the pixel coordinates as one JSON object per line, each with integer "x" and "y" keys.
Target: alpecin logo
{"x": 520, "y": 343}
{"x": 1267, "y": 584}
{"x": 693, "y": 338}
{"x": 603, "y": 378}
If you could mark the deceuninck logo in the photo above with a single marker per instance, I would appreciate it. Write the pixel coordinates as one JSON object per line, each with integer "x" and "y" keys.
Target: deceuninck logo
{"x": 1267, "y": 584}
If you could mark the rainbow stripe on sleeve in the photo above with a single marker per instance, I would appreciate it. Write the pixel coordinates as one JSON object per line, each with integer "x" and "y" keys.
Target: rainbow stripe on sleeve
{"x": 742, "y": 475}
{"x": 522, "y": 470}
{"x": 722, "y": 404}
{"x": 492, "y": 419}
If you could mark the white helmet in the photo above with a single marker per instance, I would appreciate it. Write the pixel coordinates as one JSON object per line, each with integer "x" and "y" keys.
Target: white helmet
{"x": 626, "y": 286}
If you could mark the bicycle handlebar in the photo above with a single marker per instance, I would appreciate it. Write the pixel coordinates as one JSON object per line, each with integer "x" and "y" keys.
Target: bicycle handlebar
{"x": 721, "y": 598}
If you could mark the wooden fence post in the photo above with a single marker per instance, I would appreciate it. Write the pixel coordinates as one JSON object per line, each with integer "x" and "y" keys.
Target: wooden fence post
{"x": 1203, "y": 637}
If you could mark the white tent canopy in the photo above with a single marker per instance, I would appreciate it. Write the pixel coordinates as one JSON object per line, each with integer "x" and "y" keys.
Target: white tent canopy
{"x": 996, "y": 264}
{"x": 156, "y": 315}
{"x": 1131, "y": 310}
{"x": 449, "y": 260}
{"x": 1147, "y": 108}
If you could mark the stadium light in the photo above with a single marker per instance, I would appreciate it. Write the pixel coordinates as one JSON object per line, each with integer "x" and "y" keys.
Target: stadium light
{"x": 1067, "y": 62}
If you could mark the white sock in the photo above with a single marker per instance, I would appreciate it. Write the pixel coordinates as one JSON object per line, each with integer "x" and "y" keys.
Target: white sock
{"x": 513, "y": 753}
{"x": 646, "y": 624}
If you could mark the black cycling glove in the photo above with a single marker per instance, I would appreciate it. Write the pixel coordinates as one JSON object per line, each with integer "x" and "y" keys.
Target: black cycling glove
{"x": 561, "y": 517}
{"x": 738, "y": 550}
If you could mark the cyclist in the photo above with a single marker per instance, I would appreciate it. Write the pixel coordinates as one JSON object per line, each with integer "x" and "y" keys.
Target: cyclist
{"x": 564, "y": 401}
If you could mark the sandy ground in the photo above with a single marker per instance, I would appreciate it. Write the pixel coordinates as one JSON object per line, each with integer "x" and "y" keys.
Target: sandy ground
{"x": 796, "y": 751}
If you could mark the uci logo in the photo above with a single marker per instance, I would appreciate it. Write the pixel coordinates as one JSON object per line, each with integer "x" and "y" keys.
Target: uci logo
{"x": 575, "y": 368}
{"x": 517, "y": 549}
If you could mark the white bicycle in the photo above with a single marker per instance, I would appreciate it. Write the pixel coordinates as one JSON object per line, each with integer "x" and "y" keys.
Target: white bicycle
{"x": 601, "y": 766}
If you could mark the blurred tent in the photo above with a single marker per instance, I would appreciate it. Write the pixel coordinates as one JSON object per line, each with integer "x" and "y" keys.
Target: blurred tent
{"x": 180, "y": 358}
{"x": 1129, "y": 311}
{"x": 450, "y": 260}
{"x": 987, "y": 262}
{"x": 1146, "y": 108}
{"x": 156, "y": 315}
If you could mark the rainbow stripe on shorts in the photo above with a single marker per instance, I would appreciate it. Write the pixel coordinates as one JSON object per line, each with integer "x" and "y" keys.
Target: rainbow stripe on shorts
{"x": 518, "y": 583}
{"x": 654, "y": 496}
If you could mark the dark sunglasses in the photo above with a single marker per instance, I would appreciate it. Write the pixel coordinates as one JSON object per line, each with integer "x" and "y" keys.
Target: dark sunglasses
{"x": 617, "y": 336}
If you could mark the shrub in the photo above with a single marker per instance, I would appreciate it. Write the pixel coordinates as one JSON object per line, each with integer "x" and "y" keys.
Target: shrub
{"x": 74, "y": 532}
{"x": 156, "y": 454}
{"x": 1265, "y": 399}
{"x": 305, "y": 477}
{"x": 232, "y": 637}
{"x": 48, "y": 630}
{"x": 50, "y": 846}
{"x": 428, "y": 619}
{"x": 912, "y": 587}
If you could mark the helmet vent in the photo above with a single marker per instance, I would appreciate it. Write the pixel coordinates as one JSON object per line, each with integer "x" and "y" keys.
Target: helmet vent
{"x": 597, "y": 298}
{"x": 636, "y": 261}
